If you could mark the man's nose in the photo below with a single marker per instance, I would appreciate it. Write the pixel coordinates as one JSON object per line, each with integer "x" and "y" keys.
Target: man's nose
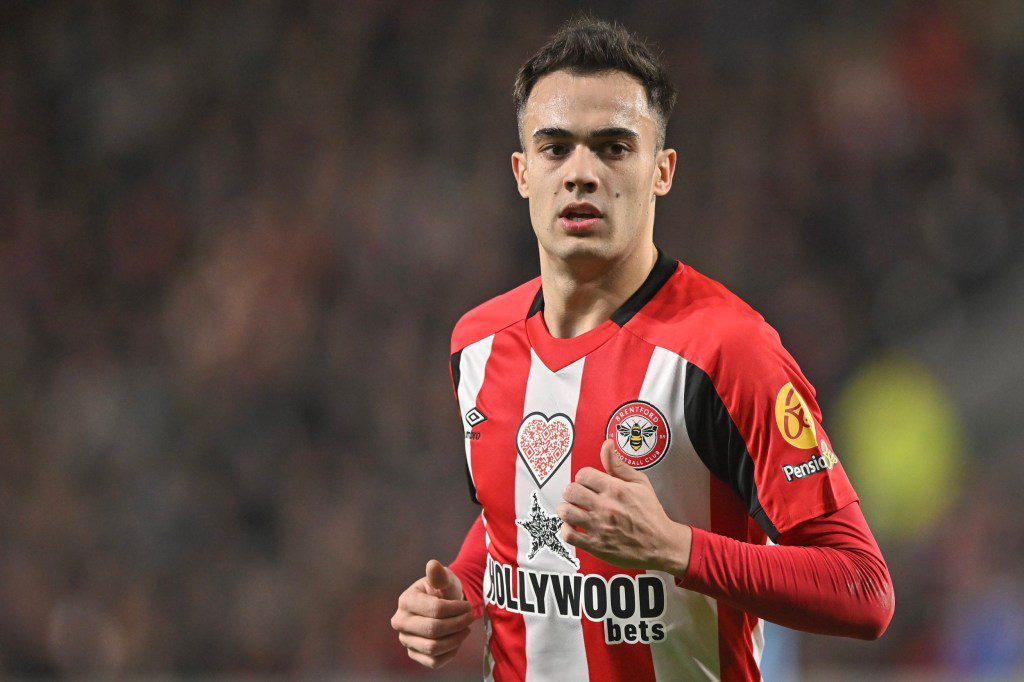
{"x": 580, "y": 171}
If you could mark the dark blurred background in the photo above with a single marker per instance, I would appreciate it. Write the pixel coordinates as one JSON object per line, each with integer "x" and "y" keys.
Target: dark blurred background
{"x": 235, "y": 236}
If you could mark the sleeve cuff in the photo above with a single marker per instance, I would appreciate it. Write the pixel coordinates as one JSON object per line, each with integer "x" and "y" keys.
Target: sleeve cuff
{"x": 698, "y": 544}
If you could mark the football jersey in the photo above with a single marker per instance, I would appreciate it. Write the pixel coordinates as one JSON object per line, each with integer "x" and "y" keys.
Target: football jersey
{"x": 698, "y": 393}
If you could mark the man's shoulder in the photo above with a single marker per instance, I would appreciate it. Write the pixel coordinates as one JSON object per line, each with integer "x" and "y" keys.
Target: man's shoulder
{"x": 495, "y": 314}
{"x": 700, "y": 319}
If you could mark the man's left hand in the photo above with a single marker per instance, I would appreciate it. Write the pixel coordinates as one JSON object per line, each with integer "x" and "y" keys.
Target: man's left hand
{"x": 616, "y": 516}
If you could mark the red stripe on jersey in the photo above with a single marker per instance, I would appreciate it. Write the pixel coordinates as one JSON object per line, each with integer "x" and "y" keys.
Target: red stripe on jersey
{"x": 508, "y": 367}
{"x": 735, "y": 647}
{"x": 615, "y": 370}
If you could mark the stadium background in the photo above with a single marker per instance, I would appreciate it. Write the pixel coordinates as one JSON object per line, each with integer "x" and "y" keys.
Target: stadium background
{"x": 234, "y": 238}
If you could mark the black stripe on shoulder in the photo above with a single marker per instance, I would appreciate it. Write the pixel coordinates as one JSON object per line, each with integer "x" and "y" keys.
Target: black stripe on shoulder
{"x": 663, "y": 269}
{"x": 456, "y": 370}
{"x": 456, "y": 377}
{"x": 719, "y": 444}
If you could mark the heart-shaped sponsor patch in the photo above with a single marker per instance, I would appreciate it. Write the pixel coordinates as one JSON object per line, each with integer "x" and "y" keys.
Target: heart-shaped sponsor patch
{"x": 543, "y": 442}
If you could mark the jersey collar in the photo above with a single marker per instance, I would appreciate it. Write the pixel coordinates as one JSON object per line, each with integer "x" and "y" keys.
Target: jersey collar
{"x": 558, "y": 353}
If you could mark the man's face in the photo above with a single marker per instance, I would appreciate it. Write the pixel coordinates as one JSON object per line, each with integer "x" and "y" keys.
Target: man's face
{"x": 590, "y": 168}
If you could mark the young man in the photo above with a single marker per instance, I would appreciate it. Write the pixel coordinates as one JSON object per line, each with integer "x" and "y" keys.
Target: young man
{"x": 634, "y": 432}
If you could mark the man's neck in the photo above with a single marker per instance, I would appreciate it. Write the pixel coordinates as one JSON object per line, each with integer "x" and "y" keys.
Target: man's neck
{"x": 579, "y": 296}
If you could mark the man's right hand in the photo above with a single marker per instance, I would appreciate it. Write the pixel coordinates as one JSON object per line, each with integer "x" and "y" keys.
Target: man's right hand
{"x": 433, "y": 617}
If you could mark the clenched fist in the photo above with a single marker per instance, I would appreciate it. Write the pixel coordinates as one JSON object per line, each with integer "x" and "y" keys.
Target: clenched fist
{"x": 616, "y": 516}
{"x": 433, "y": 617}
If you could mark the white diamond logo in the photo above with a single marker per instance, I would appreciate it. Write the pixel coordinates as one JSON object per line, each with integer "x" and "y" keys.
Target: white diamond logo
{"x": 474, "y": 417}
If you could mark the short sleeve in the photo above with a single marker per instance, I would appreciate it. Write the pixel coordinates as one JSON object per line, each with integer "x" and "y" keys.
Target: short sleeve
{"x": 753, "y": 419}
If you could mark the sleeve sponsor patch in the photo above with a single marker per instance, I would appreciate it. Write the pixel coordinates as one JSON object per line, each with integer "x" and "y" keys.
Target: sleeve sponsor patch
{"x": 794, "y": 418}
{"x": 796, "y": 424}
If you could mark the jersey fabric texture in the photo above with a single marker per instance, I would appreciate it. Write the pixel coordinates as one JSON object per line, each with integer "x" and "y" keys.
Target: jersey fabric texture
{"x": 698, "y": 392}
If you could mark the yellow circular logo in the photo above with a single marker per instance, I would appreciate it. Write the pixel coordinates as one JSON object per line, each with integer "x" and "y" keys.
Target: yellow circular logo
{"x": 794, "y": 419}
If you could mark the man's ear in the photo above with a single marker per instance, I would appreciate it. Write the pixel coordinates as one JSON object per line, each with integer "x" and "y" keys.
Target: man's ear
{"x": 665, "y": 168}
{"x": 519, "y": 170}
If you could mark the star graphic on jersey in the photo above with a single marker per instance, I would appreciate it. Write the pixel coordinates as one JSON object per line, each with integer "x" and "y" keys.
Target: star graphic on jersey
{"x": 543, "y": 530}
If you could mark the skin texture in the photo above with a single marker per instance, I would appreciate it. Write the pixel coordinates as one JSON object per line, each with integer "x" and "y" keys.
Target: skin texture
{"x": 615, "y": 515}
{"x": 587, "y": 138}
{"x": 606, "y": 155}
{"x": 433, "y": 617}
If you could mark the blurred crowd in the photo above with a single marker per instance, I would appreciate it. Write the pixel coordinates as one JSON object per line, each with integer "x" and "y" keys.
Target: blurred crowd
{"x": 234, "y": 238}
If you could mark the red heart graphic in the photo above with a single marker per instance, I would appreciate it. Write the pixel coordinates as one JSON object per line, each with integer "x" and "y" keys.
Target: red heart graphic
{"x": 543, "y": 442}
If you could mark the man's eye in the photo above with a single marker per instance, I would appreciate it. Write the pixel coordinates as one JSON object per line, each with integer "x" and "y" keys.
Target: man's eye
{"x": 556, "y": 149}
{"x": 615, "y": 148}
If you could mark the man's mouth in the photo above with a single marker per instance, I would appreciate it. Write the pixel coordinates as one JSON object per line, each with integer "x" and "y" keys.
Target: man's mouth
{"x": 577, "y": 217}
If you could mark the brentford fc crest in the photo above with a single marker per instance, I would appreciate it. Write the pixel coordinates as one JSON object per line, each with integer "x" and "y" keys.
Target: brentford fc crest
{"x": 641, "y": 434}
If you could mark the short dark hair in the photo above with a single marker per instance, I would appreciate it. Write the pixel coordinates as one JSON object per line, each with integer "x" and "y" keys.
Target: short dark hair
{"x": 587, "y": 45}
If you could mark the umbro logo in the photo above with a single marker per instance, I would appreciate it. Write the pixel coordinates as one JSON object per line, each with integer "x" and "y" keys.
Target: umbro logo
{"x": 474, "y": 417}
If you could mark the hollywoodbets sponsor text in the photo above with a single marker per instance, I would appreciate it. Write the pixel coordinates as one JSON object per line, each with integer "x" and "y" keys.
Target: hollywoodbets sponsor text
{"x": 628, "y": 605}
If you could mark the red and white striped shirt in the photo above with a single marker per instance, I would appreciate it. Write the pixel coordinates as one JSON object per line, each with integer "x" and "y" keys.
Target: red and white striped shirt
{"x": 699, "y": 393}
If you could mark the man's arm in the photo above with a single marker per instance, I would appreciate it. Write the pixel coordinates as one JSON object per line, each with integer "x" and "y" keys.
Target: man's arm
{"x": 435, "y": 612}
{"x": 826, "y": 576}
{"x": 470, "y": 565}
{"x": 433, "y": 618}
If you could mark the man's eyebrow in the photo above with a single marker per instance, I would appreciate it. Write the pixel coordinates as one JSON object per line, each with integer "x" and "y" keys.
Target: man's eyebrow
{"x": 599, "y": 133}
{"x": 551, "y": 132}
{"x": 616, "y": 132}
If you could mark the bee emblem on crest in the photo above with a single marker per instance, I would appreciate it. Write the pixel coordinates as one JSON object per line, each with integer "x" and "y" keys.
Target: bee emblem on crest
{"x": 641, "y": 433}
{"x": 636, "y": 434}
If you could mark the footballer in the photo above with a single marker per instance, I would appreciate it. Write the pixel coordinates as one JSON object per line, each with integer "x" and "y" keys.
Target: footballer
{"x": 650, "y": 463}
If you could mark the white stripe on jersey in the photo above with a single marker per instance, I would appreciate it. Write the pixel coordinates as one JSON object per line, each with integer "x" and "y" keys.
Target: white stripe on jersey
{"x": 757, "y": 634}
{"x": 471, "y": 377}
{"x": 472, "y": 363}
{"x": 488, "y": 631}
{"x": 690, "y": 648}
{"x": 757, "y": 640}
{"x": 554, "y": 646}
{"x": 664, "y": 387}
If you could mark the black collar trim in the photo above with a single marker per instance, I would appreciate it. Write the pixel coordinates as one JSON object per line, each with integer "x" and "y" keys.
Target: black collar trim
{"x": 663, "y": 268}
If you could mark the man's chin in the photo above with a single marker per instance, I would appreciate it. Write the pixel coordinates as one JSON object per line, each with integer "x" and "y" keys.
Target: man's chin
{"x": 571, "y": 248}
